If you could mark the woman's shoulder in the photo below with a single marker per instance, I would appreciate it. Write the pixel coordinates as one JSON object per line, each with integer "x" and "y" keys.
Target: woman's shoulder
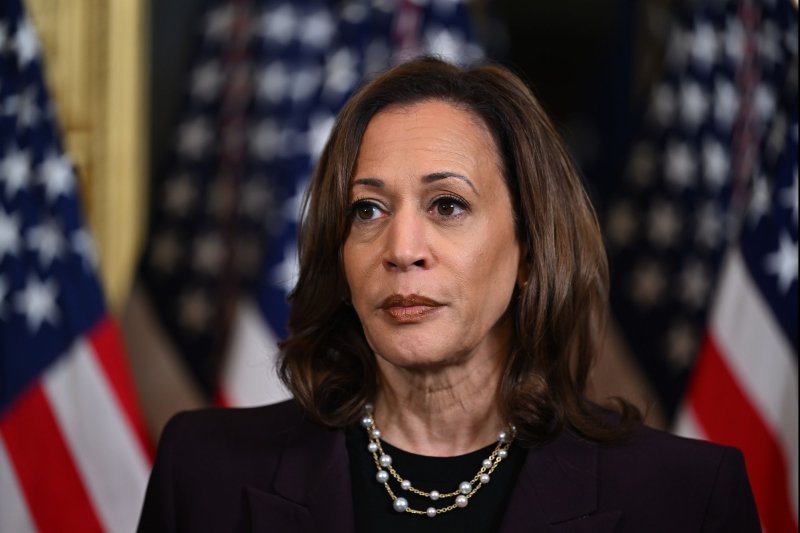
{"x": 230, "y": 434}
{"x": 659, "y": 471}
{"x": 206, "y": 425}
{"x": 659, "y": 452}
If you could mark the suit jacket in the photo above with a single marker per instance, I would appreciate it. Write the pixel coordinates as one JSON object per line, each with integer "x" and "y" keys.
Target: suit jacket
{"x": 267, "y": 469}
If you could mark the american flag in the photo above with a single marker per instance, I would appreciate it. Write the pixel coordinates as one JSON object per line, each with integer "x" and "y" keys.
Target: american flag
{"x": 268, "y": 78}
{"x": 694, "y": 269}
{"x": 73, "y": 450}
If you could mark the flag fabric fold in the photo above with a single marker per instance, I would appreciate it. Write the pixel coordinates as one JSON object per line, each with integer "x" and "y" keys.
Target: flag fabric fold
{"x": 74, "y": 455}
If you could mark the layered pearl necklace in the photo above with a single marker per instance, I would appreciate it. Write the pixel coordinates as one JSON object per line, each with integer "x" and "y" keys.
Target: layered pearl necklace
{"x": 465, "y": 490}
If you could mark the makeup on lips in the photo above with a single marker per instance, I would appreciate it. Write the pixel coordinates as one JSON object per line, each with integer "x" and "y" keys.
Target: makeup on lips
{"x": 409, "y": 309}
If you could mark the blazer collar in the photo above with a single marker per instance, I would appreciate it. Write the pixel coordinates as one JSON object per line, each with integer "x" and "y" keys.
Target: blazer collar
{"x": 556, "y": 490}
{"x": 311, "y": 489}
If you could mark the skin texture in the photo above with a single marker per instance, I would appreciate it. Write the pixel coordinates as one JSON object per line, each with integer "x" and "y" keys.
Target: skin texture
{"x": 432, "y": 219}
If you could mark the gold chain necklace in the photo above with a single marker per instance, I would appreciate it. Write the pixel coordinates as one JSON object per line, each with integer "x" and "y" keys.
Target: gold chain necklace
{"x": 465, "y": 490}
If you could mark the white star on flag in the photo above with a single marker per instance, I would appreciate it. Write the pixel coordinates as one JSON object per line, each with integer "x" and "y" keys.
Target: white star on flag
{"x": 694, "y": 104}
{"x": 726, "y": 103}
{"x": 15, "y": 171}
{"x": 759, "y": 200}
{"x": 680, "y": 166}
{"x": 716, "y": 165}
{"x": 37, "y": 301}
{"x": 26, "y": 43}
{"x": 783, "y": 262}
{"x": 664, "y": 224}
{"x": 280, "y": 24}
{"x": 195, "y": 137}
{"x": 704, "y": 46}
{"x": 341, "y": 72}
{"x": 9, "y": 234}
{"x": 56, "y": 174}
{"x": 46, "y": 239}
{"x": 206, "y": 81}
{"x": 273, "y": 82}
{"x": 218, "y": 22}
{"x": 26, "y": 108}
{"x": 317, "y": 29}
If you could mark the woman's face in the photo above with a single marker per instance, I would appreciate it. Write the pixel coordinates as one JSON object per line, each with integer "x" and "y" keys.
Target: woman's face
{"x": 431, "y": 257}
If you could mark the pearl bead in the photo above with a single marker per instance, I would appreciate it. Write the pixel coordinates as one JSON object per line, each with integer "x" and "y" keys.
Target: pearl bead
{"x": 372, "y": 447}
{"x": 434, "y": 495}
{"x": 484, "y": 479}
{"x": 461, "y": 501}
{"x": 487, "y": 463}
{"x": 465, "y": 487}
{"x": 430, "y": 511}
{"x": 385, "y": 460}
{"x": 502, "y": 454}
{"x": 366, "y": 421}
{"x": 369, "y": 407}
{"x": 382, "y": 476}
{"x": 375, "y": 433}
{"x": 400, "y": 505}
{"x": 502, "y": 436}
{"x": 405, "y": 484}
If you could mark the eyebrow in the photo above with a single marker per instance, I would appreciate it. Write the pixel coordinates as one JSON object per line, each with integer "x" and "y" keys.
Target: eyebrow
{"x": 428, "y": 178}
{"x": 436, "y": 176}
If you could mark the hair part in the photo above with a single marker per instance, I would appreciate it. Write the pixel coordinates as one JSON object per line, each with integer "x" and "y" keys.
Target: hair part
{"x": 559, "y": 310}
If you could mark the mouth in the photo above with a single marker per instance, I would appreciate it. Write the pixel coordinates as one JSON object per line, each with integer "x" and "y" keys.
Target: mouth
{"x": 409, "y": 309}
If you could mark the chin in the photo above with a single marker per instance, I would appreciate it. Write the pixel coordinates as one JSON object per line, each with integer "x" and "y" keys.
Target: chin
{"x": 429, "y": 357}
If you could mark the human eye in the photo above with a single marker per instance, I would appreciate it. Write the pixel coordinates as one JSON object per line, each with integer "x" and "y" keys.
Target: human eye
{"x": 449, "y": 206}
{"x": 365, "y": 210}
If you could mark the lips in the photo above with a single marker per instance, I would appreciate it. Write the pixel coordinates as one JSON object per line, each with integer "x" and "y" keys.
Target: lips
{"x": 409, "y": 309}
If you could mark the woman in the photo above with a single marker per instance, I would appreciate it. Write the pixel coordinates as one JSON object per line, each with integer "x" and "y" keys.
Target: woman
{"x": 451, "y": 298}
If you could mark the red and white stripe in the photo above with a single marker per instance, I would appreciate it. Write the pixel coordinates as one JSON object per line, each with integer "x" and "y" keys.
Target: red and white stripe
{"x": 73, "y": 450}
{"x": 744, "y": 393}
{"x": 249, "y": 376}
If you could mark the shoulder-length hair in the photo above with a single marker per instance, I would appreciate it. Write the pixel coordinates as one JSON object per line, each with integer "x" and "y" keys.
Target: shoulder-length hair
{"x": 559, "y": 311}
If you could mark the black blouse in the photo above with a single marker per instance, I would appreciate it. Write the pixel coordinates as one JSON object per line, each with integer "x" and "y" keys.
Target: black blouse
{"x": 372, "y": 506}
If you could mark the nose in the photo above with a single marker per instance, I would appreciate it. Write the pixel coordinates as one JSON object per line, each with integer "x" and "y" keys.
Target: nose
{"x": 406, "y": 245}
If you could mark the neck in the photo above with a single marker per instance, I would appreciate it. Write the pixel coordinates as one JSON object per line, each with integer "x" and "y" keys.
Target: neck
{"x": 442, "y": 412}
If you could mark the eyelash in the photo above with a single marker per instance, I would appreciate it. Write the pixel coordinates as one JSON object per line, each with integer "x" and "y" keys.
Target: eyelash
{"x": 439, "y": 200}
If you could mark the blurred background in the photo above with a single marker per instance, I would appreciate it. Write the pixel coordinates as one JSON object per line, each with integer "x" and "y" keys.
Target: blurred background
{"x": 153, "y": 156}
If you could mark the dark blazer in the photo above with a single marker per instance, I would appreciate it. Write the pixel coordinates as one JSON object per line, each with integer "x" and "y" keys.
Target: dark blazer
{"x": 267, "y": 469}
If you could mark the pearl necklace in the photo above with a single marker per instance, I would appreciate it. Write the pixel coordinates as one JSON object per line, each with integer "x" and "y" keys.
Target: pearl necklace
{"x": 465, "y": 490}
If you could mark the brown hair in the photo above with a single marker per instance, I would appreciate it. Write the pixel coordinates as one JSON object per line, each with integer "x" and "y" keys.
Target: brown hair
{"x": 559, "y": 312}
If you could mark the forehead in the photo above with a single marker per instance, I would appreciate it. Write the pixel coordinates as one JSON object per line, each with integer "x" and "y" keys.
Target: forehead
{"x": 427, "y": 133}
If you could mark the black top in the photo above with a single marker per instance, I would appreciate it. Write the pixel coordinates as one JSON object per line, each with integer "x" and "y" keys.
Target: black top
{"x": 372, "y": 505}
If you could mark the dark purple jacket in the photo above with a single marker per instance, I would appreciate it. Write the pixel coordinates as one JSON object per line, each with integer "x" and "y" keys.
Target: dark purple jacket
{"x": 267, "y": 469}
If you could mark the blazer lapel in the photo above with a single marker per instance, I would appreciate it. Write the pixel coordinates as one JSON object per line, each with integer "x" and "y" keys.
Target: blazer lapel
{"x": 557, "y": 491}
{"x": 311, "y": 487}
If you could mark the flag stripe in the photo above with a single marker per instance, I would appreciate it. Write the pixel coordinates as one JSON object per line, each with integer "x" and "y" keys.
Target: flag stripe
{"x": 740, "y": 425}
{"x": 249, "y": 376}
{"x": 759, "y": 357}
{"x": 107, "y": 344}
{"x": 50, "y": 481}
{"x": 101, "y": 441}
{"x": 14, "y": 515}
